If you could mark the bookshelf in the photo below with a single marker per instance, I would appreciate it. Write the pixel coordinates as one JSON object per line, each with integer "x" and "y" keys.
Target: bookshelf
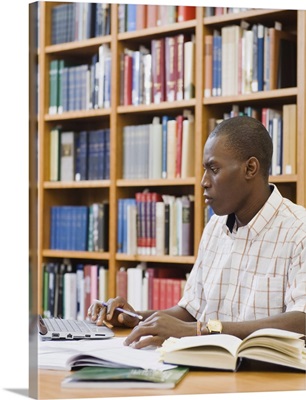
{"x": 114, "y": 118}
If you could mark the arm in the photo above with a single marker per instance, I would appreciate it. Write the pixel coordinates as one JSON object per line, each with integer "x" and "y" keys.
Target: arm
{"x": 291, "y": 321}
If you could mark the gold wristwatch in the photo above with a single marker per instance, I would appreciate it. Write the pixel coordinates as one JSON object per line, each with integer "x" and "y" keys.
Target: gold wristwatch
{"x": 214, "y": 326}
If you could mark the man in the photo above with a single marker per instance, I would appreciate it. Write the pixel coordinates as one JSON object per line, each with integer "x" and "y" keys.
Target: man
{"x": 250, "y": 271}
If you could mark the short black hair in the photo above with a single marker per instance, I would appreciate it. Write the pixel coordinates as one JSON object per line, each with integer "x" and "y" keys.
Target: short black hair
{"x": 247, "y": 137}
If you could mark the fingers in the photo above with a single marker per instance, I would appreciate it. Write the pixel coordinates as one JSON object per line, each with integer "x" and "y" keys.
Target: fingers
{"x": 142, "y": 329}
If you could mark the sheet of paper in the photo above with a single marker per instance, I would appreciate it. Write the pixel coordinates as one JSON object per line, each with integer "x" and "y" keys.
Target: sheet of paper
{"x": 56, "y": 354}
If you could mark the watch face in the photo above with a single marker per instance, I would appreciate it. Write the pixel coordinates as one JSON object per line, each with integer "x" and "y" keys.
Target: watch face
{"x": 214, "y": 326}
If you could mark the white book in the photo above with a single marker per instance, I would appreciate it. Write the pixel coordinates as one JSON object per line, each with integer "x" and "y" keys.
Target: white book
{"x": 67, "y": 156}
{"x": 189, "y": 70}
{"x": 54, "y": 154}
{"x": 247, "y": 61}
{"x": 103, "y": 283}
{"x": 147, "y": 61}
{"x": 160, "y": 228}
{"x": 70, "y": 295}
{"x": 230, "y": 58}
{"x": 80, "y": 294}
{"x": 171, "y": 148}
{"x": 131, "y": 228}
{"x": 155, "y": 149}
{"x": 188, "y": 148}
{"x": 134, "y": 286}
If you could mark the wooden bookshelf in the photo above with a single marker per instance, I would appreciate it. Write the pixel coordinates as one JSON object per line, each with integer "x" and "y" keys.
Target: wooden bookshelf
{"x": 58, "y": 193}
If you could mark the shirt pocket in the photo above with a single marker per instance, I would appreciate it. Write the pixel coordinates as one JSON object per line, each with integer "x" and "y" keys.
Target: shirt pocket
{"x": 268, "y": 296}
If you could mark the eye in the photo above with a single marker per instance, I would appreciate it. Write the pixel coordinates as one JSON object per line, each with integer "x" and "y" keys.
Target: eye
{"x": 214, "y": 169}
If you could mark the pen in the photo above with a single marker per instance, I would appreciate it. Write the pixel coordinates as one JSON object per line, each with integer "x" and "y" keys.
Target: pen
{"x": 124, "y": 311}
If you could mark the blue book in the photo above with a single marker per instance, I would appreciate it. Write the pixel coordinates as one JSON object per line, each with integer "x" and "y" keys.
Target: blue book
{"x": 107, "y": 81}
{"x": 81, "y": 157}
{"x": 131, "y": 17}
{"x": 106, "y": 154}
{"x": 53, "y": 227}
{"x": 120, "y": 226}
{"x": 260, "y": 57}
{"x": 215, "y": 70}
{"x": 219, "y": 65}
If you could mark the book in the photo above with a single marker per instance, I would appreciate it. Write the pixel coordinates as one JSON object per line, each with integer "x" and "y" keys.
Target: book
{"x": 208, "y": 72}
{"x": 223, "y": 351}
{"x": 282, "y": 59}
{"x": 289, "y": 139}
{"x": 189, "y": 69}
{"x": 54, "y": 154}
{"x": 124, "y": 378}
{"x": 158, "y": 70}
{"x": 67, "y": 156}
{"x": 185, "y": 13}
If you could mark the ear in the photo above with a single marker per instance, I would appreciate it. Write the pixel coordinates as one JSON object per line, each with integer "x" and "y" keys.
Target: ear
{"x": 252, "y": 167}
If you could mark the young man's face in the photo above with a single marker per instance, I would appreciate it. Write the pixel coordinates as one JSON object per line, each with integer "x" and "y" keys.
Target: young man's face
{"x": 223, "y": 180}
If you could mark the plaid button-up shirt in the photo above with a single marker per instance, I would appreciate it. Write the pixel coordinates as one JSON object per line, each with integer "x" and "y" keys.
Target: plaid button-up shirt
{"x": 254, "y": 272}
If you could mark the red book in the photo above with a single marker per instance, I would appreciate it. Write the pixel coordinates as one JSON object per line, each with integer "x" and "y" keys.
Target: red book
{"x": 158, "y": 69}
{"x": 128, "y": 73}
{"x": 169, "y": 293}
{"x": 176, "y": 291}
{"x": 141, "y": 16}
{"x": 179, "y": 136}
{"x": 151, "y": 272}
{"x": 152, "y": 15}
{"x": 185, "y": 13}
{"x": 163, "y": 293}
{"x": 180, "y": 40}
{"x": 156, "y": 293}
{"x": 121, "y": 283}
{"x": 170, "y": 67}
{"x": 155, "y": 197}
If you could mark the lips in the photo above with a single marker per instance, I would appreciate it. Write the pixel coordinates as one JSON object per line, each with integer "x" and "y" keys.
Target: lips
{"x": 208, "y": 199}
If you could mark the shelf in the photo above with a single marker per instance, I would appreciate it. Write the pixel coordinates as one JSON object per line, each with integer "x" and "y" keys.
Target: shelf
{"x": 159, "y": 259}
{"x": 77, "y": 185}
{"x": 86, "y": 46}
{"x": 155, "y": 182}
{"x": 252, "y": 16}
{"x": 80, "y": 114}
{"x": 287, "y": 94}
{"x": 157, "y": 31}
{"x": 90, "y": 255}
{"x": 283, "y": 179}
{"x": 152, "y": 108}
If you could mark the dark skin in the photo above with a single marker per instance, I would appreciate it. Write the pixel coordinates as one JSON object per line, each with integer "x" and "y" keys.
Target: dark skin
{"x": 230, "y": 186}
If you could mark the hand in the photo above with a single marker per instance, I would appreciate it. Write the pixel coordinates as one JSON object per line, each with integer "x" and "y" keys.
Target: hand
{"x": 99, "y": 313}
{"x": 157, "y": 328}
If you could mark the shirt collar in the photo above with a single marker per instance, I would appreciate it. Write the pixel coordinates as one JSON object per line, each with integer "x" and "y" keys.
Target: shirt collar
{"x": 262, "y": 218}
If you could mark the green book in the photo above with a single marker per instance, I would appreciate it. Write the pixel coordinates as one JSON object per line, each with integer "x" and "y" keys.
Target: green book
{"x": 123, "y": 378}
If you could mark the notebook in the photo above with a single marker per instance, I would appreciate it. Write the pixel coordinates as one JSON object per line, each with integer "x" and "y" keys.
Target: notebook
{"x": 58, "y": 328}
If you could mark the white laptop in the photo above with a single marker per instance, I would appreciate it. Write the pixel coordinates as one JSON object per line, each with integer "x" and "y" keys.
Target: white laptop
{"x": 58, "y": 328}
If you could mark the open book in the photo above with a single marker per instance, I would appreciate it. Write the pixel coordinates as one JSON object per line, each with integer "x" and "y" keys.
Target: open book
{"x": 124, "y": 378}
{"x": 222, "y": 351}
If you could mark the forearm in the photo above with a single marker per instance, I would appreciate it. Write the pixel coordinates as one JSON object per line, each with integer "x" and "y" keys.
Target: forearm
{"x": 292, "y": 321}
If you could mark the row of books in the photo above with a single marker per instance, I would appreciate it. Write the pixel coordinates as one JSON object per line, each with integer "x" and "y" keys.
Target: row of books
{"x": 163, "y": 72}
{"x": 242, "y": 59}
{"x": 132, "y": 17}
{"x": 149, "y": 288}
{"x": 214, "y": 11}
{"x": 78, "y": 156}
{"x": 80, "y": 228}
{"x": 80, "y": 87}
{"x": 162, "y": 149}
{"x": 155, "y": 224}
{"x": 79, "y": 21}
{"x": 68, "y": 290}
{"x": 281, "y": 123}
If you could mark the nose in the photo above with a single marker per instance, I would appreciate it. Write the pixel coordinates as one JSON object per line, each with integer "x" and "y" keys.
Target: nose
{"x": 205, "y": 180}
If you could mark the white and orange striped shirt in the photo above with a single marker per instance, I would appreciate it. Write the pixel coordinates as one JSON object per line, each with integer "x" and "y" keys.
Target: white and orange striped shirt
{"x": 254, "y": 272}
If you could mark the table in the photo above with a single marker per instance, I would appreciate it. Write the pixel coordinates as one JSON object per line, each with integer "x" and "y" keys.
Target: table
{"x": 251, "y": 377}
